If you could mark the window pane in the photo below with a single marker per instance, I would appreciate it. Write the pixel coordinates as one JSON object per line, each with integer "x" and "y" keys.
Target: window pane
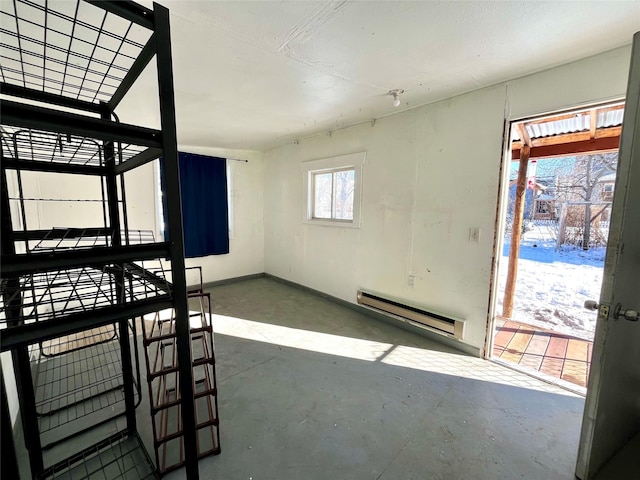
{"x": 322, "y": 195}
{"x": 345, "y": 183}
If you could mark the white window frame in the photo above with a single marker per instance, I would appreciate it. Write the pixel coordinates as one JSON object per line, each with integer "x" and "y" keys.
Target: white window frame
{"x": 353, "y": 161}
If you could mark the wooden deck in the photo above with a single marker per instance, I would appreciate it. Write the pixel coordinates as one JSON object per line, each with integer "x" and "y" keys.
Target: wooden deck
{"x": 558, "y": 355}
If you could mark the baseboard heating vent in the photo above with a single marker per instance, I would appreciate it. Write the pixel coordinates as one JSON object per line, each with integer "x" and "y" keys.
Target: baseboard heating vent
{"x": 440, "y": 323}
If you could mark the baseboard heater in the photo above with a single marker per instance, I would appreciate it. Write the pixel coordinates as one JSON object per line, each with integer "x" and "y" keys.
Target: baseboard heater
{"x": 433, "y": 321}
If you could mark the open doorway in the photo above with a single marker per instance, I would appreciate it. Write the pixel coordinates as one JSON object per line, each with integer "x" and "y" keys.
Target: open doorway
{"x": 555, "y": 217}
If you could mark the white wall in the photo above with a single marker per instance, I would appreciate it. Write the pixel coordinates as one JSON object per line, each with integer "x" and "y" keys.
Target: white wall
{"x": 13, "y": 402}
{"x": 431, "y": 174}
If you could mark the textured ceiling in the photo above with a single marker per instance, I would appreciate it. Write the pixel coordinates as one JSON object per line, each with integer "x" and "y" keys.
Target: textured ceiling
{"x": 259, "y": 74}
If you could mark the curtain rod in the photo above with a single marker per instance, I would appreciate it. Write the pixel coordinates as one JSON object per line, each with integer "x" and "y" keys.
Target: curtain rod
{"x": 226, "y": 158}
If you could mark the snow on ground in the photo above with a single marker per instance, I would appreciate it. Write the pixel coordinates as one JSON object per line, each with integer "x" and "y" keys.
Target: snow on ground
{"x": 552, "y": 285}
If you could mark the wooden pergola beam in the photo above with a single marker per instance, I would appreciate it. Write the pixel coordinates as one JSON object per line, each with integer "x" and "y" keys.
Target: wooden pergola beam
{"x": 524, "y": 134}
{"x": 593, "y": 123}
{"x": 567, "y": 138}
{"x": 584, "y": 147}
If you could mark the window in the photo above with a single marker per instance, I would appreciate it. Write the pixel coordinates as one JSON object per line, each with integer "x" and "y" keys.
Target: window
{"x": 607, "y": 192}
{"x": 332, "y": 190}
{"x": 543, "y": 206}
{"x": 333, "y": 194}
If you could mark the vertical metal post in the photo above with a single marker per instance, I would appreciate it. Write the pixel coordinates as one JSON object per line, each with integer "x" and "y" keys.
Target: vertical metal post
{"x": 11, "y": 295}
{"x": 123, "y": 325}
{"x": 22, "y": 367}
{"x": 174, "y": 207}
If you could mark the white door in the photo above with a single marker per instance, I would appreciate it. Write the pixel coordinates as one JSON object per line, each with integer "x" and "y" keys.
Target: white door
{"x": 612, "y": 409}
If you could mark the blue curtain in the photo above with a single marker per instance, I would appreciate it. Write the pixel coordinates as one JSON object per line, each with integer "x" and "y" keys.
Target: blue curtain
{"x": 205, "y": 212}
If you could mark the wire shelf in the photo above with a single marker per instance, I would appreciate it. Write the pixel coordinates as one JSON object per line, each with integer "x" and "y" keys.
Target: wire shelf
{"x": 37, "y": 145}
{"x": 77, "y": 341}
{"x": 74, "y": 385}
{"x": 120, "y": 457}
{"x": 54, "y": 295}
{"x": 73, "y": 49}
{"x": 79, "y": 382}
{"x": 59, "y": 239}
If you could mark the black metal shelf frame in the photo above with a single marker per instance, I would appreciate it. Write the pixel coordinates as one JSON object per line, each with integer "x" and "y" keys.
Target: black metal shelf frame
{"x": 85, "y": 56}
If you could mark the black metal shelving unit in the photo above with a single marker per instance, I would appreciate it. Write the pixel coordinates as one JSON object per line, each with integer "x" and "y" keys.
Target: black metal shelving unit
{"x": 69, "y": 295}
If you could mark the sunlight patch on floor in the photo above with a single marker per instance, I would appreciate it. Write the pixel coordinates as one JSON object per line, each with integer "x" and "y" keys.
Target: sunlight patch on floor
{"x": 368, "y": 350}
{"x": 326, "y": 343}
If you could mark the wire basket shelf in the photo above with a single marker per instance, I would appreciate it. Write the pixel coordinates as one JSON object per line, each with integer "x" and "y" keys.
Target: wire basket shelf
{"x": 72, "y": 48}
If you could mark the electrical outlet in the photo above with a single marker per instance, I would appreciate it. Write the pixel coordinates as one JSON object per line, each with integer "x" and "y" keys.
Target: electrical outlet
{"x": 412, "y": 280}
{"x": 474, "y": 234}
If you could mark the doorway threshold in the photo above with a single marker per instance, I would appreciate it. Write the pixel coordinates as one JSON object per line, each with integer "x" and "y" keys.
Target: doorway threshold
{"x": 558, "y": 382}
{"x": 553, "y": 357}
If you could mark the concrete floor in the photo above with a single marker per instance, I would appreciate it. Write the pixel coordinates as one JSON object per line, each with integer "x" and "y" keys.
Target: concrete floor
{"x": 309, "y": 389}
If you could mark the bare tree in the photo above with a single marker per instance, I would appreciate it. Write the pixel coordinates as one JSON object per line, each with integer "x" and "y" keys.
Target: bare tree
{"x": 344, "y": 194}
{"x": 580, "y": 182}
